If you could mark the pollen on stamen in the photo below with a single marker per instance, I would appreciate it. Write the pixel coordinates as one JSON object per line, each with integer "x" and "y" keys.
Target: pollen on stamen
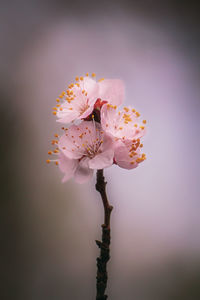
{"x": 144, "y": 121}
{"x": 93, "y": 75}
{"x": 77, "y": 78}
{"x": 81, "y": 78}
{"x": 56, "y": 162}
{"x": 54, "y": 112}
{"x": 48, "y": 161}
{"x": 49, "y": 152}
{"x": 56, "y": 135}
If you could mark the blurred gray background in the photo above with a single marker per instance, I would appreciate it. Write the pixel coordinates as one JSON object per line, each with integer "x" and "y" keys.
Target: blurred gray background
{"x": 47, "y": 228}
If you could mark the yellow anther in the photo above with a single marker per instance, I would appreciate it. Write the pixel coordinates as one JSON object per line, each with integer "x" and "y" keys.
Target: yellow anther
{"x": 81, "y": 78}
{"x": 120, "y": 128}
{"x": 93, "y": 75}
{"x": 81, "y": 135}
{"x": 144, "y": 121}
{"x": 92, "y": 116}
{"x": 50, "y": 152}
{"x": 58, "y": 105}
{"x": 61, "y": 109}
{"x": 71, "y": 108}
{"x": 78, "y": 84}
{"x": 87, "y": 74}
{"x": 54, "y": 108}
{"x": 83, "y": 145}
{"x": 83, "y": 91}
{"x": 101, "y": 79}
{"x": 47, "y": 161}
{"x": 115, "y": 106}
{"x": 141, "y": 145}
{"x": 135, "y": 125}
{"x": 57, "y": 100}
{"x": 55, "y": 151}
{"x": 77, "y": 78}
{"x": 126, "y": 109}
{"x": 71, "y": 92}
{"x": 56, "y": 135}
{"x": 142, "y": 127}
{"x": 133, "y": 110}
{"x": 85, "y": 94}
{"x": 54, "y": 112}
{"x": 132, "y": 162}
{"x": 137, "y": 114}
{"x": 119, "y": 113}
{"x": 56, "y": 162}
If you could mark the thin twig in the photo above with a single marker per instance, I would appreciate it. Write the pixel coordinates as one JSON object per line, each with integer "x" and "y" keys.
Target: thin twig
{"x": 105, "y": 243}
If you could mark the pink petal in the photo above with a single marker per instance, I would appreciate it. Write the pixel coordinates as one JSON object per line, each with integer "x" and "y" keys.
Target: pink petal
{"x": 108, "y": 116}
{"x": 112, "y": 90}
{"x": 123, "y": 159}
{"x": 68, "y": 117}
{"x": 108, "y": 142}
{"x": 66, "y": 145}
{"x": 83, "y": 173}
{"x": 103, "y": 160}
{"x": 91, "y": 87}
{"x": 67, "y": 166}
{"x": 88, "y": 111}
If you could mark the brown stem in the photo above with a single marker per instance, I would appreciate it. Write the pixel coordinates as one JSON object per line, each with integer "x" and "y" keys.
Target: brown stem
{"x": 105, "y": 243}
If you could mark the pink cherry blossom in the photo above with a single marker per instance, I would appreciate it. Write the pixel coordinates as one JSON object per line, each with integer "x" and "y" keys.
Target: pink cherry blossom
{"x": 124, "y": 127}
{"x": 77, "y": 102}
{"x": 84, "y": 148}
{"x": 128, "y": 154}
{"x": 122, "y": 124}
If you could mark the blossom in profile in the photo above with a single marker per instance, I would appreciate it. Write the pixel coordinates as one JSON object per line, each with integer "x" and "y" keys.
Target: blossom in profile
{"x": 82, "y": 149}
{"x": 128, "y": 154}
{"x": 78, "y": 100}
{"x": 126, "y": 129}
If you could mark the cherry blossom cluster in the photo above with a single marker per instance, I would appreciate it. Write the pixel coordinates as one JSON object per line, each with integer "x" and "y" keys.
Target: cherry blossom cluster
{"x": 96, "y": 134}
